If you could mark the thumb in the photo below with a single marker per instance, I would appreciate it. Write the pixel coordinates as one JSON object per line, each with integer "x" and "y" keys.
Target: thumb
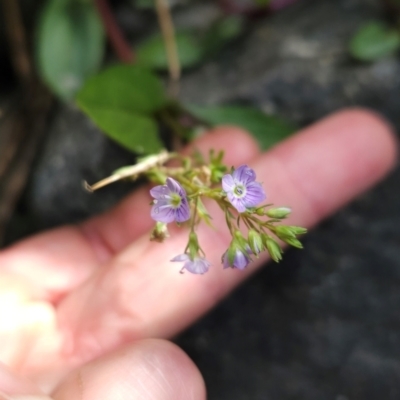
{"x": 146, "y": 369}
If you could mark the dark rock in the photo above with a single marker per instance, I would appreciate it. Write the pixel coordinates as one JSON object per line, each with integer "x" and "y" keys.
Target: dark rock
{"x": 75, "y": 151}
{"x": 297, "y": 64}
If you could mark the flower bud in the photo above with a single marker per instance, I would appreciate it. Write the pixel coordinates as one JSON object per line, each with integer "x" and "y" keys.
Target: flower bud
{"x": 298, "y": 230}
{"x": 159, "y": 232}
{"x": 279, "y": 213}
{"x": 283, "y": 232}
{"x": 293, "y": 242}
{"x": 255, "y": 242}
{"x": 260, "y": 211}
{"x": 273, "y": 248}
{"x": 239, "y": 240}
{"x": 230, "y": 257}
{"x": 235, "y": 257}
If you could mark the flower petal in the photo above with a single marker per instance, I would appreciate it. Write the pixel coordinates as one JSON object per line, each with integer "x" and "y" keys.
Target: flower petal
{"x": 244, "y": 175}
{"x": 182, "y": 213}
{"x": 181, "y": 258}
{"x": 225, "y": 260}
{"x": 241, "y": 260}
{"x": 163, "y": 213}
{"x": 228, "y": 184}
{"x": 237, "y": 203}
{"x": 197, "y": 266}
{"x": 175, "y": 187}
{"x": 254, "y": 194}
{"x": 159, "y": 192}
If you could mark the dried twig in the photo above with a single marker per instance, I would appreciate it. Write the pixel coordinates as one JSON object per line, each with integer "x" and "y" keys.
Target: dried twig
{"x": 168, "y": 31}
{"x": 132, "y": 171}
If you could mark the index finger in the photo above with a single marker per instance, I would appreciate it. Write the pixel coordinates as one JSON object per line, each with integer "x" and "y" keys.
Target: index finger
{"x": 66, "y": 256}
{"x": 140, "y": 294}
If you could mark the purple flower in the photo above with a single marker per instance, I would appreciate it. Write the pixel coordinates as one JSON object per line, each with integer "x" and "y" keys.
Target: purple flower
{"x": 241, "y": 188}
{"x": 240, "y": 259}
{"x": 198, "y": 265}
{"x": 170, "y": 202}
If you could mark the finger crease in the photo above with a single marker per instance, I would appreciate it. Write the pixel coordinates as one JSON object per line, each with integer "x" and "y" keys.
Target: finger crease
{"x": 102, "y": 248}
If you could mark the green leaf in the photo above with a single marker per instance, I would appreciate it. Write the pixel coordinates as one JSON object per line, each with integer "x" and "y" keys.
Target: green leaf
{"x": 374, "y": 41}
{"x": 151, "y": 53}
{"x": 221, "y": 32}
{"x": 124, "y": 87}
{"x": 144, "y": 3}
{"x": 262, "y": 3}
{"x": 70, "y": 45}
{"x": 121, "y": 101}
{"x": 138, "y": 133}
{"x": 268, "y": 130}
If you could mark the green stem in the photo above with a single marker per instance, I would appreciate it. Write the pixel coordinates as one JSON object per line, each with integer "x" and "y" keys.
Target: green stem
{"x": 193, "y": 222}
{"x": 173, "y": 124}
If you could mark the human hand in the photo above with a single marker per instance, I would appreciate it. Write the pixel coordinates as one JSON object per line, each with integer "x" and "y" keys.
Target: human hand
{"x": 78, "y": 303}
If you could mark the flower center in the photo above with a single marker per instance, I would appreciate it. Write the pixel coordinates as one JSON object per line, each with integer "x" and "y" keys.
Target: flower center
{"x": 239, "y": 190}
{"x": 175, "y": 200}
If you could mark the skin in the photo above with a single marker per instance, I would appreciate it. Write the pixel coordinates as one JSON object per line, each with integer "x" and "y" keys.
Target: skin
{"x": 85, "y": 310}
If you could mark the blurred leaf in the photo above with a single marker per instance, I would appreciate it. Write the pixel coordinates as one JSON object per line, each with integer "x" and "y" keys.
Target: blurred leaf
{"x": 144, "y": 3}
{"x": 125, "y": 87}
{"x": 70, "y": 45}
{"x": 121, "y": 101}
{"x": 374, "y": 41}
{"x": 221, "y": 32}
{"x": 136, "y": 132}
{"x": 150, "y": 4}
{"x": 262, "y": 3}
{"x": 192, "y": 50}
{"x": 151, "y": 53}
{"x": 268, "y": 130}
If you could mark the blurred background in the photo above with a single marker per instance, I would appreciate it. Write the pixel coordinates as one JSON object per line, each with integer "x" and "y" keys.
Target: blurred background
{"x": 324, "y": 323}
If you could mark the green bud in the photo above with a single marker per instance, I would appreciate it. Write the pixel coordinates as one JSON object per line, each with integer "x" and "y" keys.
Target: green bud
{"x": 159, "y": 232}
{"x": 279, "y": 213}
{"x": 273, "y": 248}
{"x": 260, "y": 211}
{"x": 239, "y": 239}
{"x": 255, "y": 242}
{"x": 283, "y": 232}
{"x": 298, "y": 230}
{"x": 293, "y": 242}
{"x": 231, "y": 254}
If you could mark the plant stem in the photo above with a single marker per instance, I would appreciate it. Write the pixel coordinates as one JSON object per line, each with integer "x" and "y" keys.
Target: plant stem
{"x": 168, "y": 31}
{"x": 121, "y": 47}
{"x": 177, "y": 129}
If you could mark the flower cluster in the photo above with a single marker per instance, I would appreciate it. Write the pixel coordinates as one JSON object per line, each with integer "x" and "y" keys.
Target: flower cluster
{"x": 239, "y": 197}
{"x": 179, "y": 197}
